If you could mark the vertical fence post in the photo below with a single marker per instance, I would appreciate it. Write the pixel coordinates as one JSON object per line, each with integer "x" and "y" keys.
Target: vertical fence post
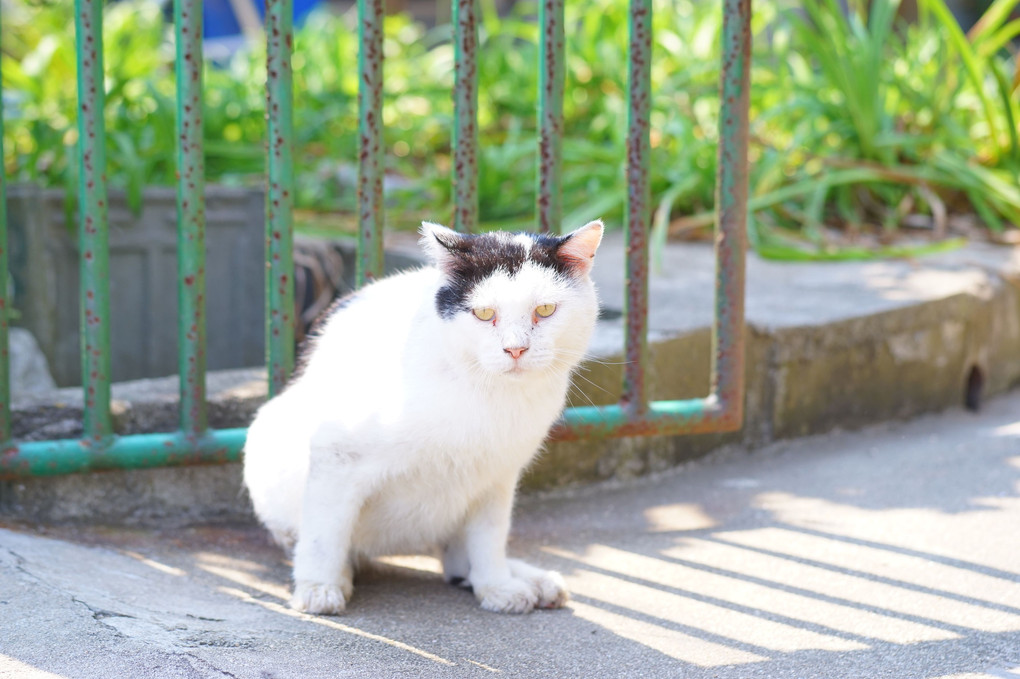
{"x": 370, "y": 140}
{"x": 280, "y": 197}
{"x": 550, "y": 116}
{"x": 634, "y": 398}
{"x": 93, "y": 227}
{"x": 465, "y": 116}
{"x": 731, "y": 210}
{"x": 5, "y": 365}
{"x": 191, "y": 326}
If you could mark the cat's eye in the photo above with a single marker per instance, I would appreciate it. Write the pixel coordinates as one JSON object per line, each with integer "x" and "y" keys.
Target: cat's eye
{"x": 545, "y": 310}
{"x": 484, "y": 314}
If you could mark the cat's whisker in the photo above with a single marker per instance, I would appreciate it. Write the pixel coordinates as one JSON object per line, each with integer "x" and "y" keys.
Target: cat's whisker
{"x": 561, "y": 363}
{"x": 574, "y": 389}
{"x": 592, "y": 383}
{"x": 584, "y": 357}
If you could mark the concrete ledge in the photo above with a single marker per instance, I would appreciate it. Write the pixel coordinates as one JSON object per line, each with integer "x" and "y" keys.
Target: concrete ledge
{"x": 829, "y": 346}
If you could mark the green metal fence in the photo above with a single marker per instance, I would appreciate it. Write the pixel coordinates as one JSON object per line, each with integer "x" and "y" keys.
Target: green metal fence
{"x": 193, "y": 443}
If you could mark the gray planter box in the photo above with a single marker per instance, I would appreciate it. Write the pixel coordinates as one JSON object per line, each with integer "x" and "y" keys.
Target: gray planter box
{"x": 143, "y": 280}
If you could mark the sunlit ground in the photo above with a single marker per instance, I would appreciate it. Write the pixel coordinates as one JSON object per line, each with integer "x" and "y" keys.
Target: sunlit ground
{"x": 755, "y": 564}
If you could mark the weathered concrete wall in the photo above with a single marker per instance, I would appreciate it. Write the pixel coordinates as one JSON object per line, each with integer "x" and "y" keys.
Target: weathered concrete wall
{"x": 143, "y": 279}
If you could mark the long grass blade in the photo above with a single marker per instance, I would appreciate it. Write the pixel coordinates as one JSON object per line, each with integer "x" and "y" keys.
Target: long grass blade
{"x": 966, "y": 53}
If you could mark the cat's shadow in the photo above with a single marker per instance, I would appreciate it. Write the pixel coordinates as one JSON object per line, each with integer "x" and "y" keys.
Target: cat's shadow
{"x": 242, "y": 557}
{"x": 380, "y": 584}
{"x": 393, "y": 581}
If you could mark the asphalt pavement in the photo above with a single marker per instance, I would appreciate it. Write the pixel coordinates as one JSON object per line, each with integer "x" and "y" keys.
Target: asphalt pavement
{"x": 889, "y": 552}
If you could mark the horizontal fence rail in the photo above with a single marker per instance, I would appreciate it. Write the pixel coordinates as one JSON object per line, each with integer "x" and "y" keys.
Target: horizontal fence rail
{"x": 194, "y": 443}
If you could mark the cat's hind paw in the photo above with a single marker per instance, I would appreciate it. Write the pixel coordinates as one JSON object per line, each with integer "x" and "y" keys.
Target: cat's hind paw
{"x": 507, "y": 596}
{"x": 320, "y": 599}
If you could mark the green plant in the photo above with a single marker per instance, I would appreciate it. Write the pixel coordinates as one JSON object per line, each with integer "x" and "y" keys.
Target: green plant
{"x": 880, "y": 123}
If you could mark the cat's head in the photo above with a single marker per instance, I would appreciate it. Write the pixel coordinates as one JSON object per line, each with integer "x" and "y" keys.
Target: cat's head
{"x": 516, "y": 304}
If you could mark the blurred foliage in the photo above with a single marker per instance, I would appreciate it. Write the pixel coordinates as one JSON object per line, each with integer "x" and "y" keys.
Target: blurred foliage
{"x": 860, "y": 122}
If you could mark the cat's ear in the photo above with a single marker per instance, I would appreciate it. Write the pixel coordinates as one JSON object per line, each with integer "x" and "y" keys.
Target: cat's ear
{"x": 440, "y": 243}
{"x": 577, "y": 249}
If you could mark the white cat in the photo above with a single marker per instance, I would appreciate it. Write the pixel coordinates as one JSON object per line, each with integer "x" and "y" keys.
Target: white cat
{"x": 424, "y": 397}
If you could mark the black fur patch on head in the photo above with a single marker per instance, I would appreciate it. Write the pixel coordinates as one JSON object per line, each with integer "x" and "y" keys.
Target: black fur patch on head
{"x": 476, "y": 257}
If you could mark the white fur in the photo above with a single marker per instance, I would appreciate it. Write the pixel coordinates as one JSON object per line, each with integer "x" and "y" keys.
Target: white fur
{"x": 408, "y": 432}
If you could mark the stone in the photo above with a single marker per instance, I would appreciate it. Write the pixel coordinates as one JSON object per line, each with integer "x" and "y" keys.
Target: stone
{"x": 29, "y": 371}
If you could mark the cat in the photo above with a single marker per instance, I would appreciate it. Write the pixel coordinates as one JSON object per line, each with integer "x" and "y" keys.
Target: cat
{"x": 424, "y": 397}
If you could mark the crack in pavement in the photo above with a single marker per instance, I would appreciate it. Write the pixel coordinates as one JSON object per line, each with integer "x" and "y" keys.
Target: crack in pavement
{"x": 101, "y": 614}
{"x": 20, "y": 565}
{"x": 203, "y": 665}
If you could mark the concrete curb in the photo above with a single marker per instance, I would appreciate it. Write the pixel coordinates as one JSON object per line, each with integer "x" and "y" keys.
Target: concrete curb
{"x": 829, "y": 346}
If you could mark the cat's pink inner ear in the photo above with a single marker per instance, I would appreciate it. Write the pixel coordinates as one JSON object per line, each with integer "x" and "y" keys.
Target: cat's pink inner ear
{"x": 578, "y": 251}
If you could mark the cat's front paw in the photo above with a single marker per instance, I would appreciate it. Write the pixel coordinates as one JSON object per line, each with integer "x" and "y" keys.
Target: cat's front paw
{"x": 507, "y": 596}
{"x": 320, "y": 599}
{"x": 549, "y": 588}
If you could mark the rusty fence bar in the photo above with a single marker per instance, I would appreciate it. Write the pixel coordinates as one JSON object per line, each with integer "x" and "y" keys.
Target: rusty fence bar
{"x": 550, "y": 116}
{"x": 465, "y": 115}
{"x": 5, "y": 363}
{"x": 280, "y": 197}
{"x": 190, "y": 217}
{"x": 93, "y": 227}
{"x": 370, "y": 141}
{"x": 635, "y": 306}
{"x": 731, "y": 210}
{"x": 194, "y": 443}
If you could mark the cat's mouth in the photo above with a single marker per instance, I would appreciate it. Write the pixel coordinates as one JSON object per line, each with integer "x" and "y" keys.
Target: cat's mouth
{"x": 516, "y": 370}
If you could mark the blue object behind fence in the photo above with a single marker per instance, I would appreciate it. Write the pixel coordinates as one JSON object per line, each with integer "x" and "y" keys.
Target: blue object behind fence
{"x": 220, "y": 20}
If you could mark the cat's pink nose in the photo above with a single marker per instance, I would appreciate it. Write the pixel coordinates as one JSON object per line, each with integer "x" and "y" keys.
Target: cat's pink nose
{"x": 516, "y": 351}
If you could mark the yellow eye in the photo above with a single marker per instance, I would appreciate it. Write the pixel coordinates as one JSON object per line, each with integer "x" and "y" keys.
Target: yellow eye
{"x": 484, "y": 314}
{"x": 545, "y": 310}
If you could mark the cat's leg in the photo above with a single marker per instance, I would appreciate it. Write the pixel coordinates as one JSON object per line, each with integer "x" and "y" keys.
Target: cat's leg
{"x": 456, "y": 565}
{"x": 501, "y": 584}
{"x": 485, "y": 536}
{"x": 549, "y": 585}
{"x": 323, "y": 571}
